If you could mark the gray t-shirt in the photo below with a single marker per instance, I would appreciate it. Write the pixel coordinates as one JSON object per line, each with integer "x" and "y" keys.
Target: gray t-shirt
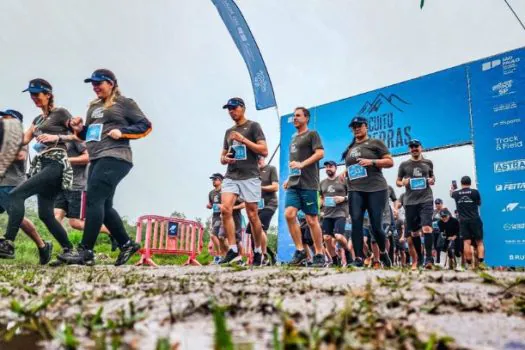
{"x": 371, "y": 180}
{"x": 53, "y": 124}
{"x": 418, "y": 190}
{"x": 16, "y": 173}
{"x": 214, "y": 198}
{"x": 302, "y": 147}
{"x": 269, "y": 176}
{"x": 248, "y": 168}
{"x": 124, "y": 112}
{"x": 75, "y": 149}
{"x": 332, "y": 188}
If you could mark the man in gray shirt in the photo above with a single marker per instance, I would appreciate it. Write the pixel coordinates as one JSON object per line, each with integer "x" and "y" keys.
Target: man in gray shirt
{"x": 417, "y": 175}
{"x": 242, "y": 144}
{"x": 302, "y": 187}
{"x": 14, "y": 176}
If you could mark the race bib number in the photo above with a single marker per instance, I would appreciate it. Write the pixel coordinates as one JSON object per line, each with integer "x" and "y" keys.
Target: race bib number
{"x": 94, "y": 132}
{"x": 418, "y": 183}
{"x": 261, "y": 204}
{"x": 348, "y": 226}
{"x": 240, "y": 152}
{"x": 356, "y": 171}
{"x": 216, "y": 208}
{"x": 329, "y": 202}
{"x": 295, "y": 172}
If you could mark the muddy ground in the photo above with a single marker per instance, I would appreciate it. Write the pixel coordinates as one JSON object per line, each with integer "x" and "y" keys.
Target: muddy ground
{"x": 182, "y": 308}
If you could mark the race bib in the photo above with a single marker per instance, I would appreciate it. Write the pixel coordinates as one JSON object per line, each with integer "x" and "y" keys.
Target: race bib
{"x": 329, "y": 202}
{"x": 261, "y": 204}
{"x": 418, "y": 183}
{"x": 348, "y": 226}
{"x": 435, "y": 225}
{"x": 240, "y": 152}
{"x": 39, "y": 147}
{"x": 356, "y": 171}
{"x": 295, "y": 172}
{"x": 216, "y": 208}
{"x": 94, "y": 132}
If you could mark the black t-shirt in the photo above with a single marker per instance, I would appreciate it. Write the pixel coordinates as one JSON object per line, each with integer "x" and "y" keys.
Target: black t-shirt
{"x": 418, "y": 171}
{"x": 372, "y": 180}
{"x": 468, "y": 201}
{"x": 247, "y": 168}
{"x": 449, "y": 228}
{"x": 269, "y": 176}
{"x": 53, "y": 124}
{"x": 302, "y": 147}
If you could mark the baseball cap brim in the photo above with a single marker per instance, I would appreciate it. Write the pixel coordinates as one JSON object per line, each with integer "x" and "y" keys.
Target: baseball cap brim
{"x": 35, "y": 90}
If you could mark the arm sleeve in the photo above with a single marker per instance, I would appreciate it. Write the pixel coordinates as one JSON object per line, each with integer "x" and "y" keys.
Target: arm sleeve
{"x": 401, "y": 171}
{"x": 257, "y": 133}
{"x": 139, "y": 126}
{"x": 273, "y": 175}
{"x": 478, "y": 198}
{"x": 431, "y": 171}
{"x": 316, "y": 141}
{"x": 226, "y": 145}
{"x": 381, "y": 150}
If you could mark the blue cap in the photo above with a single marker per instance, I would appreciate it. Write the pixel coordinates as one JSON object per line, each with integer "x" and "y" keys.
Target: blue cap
{"x": 39, "y": 85}
{"x": 358, "y": 121}
{"x": 12, "y": 113}
{"x": 234, "y": 102}
{"x": 102, "y": 75}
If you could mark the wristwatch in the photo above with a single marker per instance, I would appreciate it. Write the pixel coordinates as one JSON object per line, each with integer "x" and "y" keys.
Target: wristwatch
{"x": 374, "y": 162}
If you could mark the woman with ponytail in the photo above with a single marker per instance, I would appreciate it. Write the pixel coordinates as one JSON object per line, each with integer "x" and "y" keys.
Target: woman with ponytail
{"x": 50, "y": 171}
{"x": 364, "y": 158}
{"x": 111, "y": 121}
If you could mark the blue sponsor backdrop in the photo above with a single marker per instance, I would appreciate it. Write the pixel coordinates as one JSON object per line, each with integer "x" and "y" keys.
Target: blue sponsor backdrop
{"x": 497, "y": 86}
{"x": 436, "y": 110}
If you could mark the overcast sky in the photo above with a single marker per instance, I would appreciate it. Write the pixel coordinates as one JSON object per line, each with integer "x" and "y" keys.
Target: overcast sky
{"x": 177, "y": 60}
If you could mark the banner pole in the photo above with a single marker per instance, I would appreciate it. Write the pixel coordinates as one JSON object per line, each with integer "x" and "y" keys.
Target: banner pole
{"x": 278, "y": 145}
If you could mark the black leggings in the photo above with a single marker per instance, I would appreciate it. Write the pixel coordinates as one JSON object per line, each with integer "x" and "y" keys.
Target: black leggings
{"x": 104, "y": 176}
{"x": 374, "y": 203}
{"x": 47, "y": 184}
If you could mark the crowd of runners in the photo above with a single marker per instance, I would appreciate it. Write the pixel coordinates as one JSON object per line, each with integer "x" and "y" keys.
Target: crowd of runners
{"x": 65, "y": 146}
{"x": 350, "y": 218}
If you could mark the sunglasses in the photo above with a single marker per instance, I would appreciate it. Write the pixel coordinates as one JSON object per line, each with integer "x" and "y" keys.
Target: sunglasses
{"x": 357, "y": 126}
{"x": 413, "y": 146}
{"x": 96, "y": 83}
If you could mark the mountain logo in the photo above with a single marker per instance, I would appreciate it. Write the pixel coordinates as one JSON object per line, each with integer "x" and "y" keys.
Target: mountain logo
{"x": 393, "y": 100}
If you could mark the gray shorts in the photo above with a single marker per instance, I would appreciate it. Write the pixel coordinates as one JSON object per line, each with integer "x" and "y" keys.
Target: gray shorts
{"x": 238, "y": 234}
{"x": 248, "y": 190}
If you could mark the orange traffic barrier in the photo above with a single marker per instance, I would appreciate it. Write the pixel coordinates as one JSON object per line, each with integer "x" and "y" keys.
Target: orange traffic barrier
{"x": 168, "y": 236}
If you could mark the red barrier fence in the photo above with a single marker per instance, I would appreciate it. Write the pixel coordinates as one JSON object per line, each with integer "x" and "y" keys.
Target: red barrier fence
{"x": 168, "y": 236}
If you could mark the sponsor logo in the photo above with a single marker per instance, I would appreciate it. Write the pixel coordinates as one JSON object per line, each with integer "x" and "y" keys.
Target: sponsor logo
{"x": 260, "y": 81}
{"x": 504, "y": 107}
{"x": 506, "y": 122}
{"x": 490, "y": 64}
{"x": 514, "y": 227}
{"x": 508, "y": 187}
{"x": 510, "y": 207}
{"x": 510, "y": 142}
{"x": 503, "y": 88}
{"x": 510, "y": 165}
{"x": 510, "y": 64}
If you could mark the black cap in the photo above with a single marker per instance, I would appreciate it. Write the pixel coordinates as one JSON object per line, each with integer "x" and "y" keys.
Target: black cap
{"x": 438, "y": 201}
{"x": 414, "y": 142}
{"x": 217, "y": 176}
{"x": 12, "y": 113}
{"x": 444, "y": 212}
{"x": 234, "y": 102}
{"x": 102, "y": 75}
{"x": 358, "y": 121}
{"x": 330, "y": 162}
{"x": 39, "y": 85}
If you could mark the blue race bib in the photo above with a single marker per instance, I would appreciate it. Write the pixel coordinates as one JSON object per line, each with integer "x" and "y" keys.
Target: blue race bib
{"x": 295, "y": 172}
{"x": 356, "y": 171}
{"x": 240, "y": 152}
{"x": 435, "y": 225}
{"x": 329, "y": 202}
{"x": 216, "y": 208}
{"x": 348, "y": 226}
{"x": 94, "y": 132}
{"x": 261, "y": 204}
{"x": 418, "y": 183}
{"x": 39, "y": 147}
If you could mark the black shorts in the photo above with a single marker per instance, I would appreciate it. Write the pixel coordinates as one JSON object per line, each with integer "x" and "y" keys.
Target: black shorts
{"x": 70, "y": 202}
{"x": 471, "y": 229}
{"x": 419, "y": 215}
{"x": 331, "y": 226}
{"x": 216, "y": 225}
{"x": 306, "y": 236}
{"x": 265, "y": 215}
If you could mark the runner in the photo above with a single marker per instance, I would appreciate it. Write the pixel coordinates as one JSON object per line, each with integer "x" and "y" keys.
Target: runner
{"x": 399, "y": 241}
{"x": 111, "y": 121}
{"x": 436, "y": 217}
{"x": 14, "y": 176}
{"x": 69, "y": 202}
{"x": 242, "y": 144}
{"x": 468, "y": 201}
{"x": 302, "y": 187}
{"x": 417, "y": 175}
{"x": 11, "y": 137}
{"x": 267, "y": 205}
{"x": 50, "y": 170}
{"x": 214, "y": 203}
{"x": 364, "y": 158}
{"x": 334, "y": 198}
{"x": 449, "y": 226}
